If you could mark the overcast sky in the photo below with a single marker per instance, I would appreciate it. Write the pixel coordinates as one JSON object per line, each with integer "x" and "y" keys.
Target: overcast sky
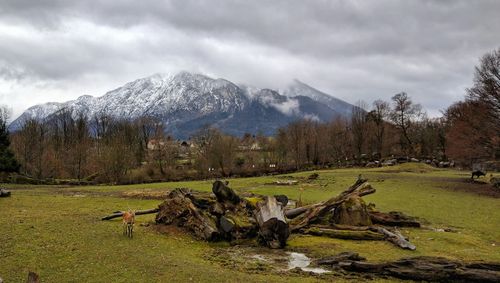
{"x": 56, "y": 50}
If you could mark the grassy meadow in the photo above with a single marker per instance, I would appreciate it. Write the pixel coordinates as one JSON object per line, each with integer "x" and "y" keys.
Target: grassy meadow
{"x": 57, "y": 231}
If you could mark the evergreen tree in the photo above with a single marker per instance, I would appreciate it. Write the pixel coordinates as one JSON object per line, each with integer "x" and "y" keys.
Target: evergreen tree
{"x": 8, "y": 162}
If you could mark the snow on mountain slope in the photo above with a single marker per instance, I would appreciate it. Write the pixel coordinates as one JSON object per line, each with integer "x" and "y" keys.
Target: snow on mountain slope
{"x": 298, "y": 88}
{"x": 186, "y": 102}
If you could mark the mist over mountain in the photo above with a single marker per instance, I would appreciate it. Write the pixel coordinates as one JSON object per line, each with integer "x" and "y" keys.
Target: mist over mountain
{"x": 185, "y": 102}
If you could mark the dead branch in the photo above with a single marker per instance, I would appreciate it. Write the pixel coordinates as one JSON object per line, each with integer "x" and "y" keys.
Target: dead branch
{"x": 117, "y": 214}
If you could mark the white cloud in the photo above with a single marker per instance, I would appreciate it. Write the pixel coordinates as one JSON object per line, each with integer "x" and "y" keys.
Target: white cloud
{"x": 289, "y": 107}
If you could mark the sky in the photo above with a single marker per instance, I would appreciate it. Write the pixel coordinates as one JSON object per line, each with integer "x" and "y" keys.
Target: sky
{"x": 57, "y": 50}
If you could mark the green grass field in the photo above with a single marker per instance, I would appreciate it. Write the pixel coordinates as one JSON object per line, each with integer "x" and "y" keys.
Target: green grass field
{"x": 57, "y": 232}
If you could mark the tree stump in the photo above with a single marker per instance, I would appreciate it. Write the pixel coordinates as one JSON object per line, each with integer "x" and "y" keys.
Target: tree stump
{"x": 273, "y": 228}
{"x": 352, "y": 212}
{"x": 179, "y": 209}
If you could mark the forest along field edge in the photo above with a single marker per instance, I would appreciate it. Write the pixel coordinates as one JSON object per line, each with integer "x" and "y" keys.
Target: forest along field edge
{"x": 56, "y": 230}
{"x": 69, "y": 147}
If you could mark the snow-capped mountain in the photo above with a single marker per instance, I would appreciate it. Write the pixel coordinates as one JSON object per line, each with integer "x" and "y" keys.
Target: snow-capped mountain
{"x": 185, "y": 102}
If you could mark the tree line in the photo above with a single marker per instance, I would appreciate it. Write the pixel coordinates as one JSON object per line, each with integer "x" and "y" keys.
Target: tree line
{"x": 104, "y": 149}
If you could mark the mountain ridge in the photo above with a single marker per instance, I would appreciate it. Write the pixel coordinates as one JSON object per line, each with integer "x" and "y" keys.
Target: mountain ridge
{"x": 187, "y": 101}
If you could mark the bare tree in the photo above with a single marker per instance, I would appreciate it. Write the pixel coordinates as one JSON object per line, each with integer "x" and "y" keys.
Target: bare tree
{"x": 163, "y": 148}
{"x": 359, "y": 127}
{"x": 222, "y": 153}
{"x": 485, "y": 94}
{"x": 203, "y": 141}
{"x": 296, "y": 143}
{"x": 404, "y": 115}
{"x": 486, "y": 88}
{"x": 379, "y": 113}
{"x": 81, "y": 146}
{"x": 339, "y": 141}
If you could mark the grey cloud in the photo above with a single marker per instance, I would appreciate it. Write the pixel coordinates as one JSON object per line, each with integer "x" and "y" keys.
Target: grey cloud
{"x": 351, "y": 49}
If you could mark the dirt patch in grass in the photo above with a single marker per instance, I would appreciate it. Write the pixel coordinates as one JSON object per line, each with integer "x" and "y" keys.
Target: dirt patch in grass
{"x": 145, "y": 194}
{"x": 451, "y": 184}
{"x": 169, "y": 230}
{"x": 409, "y": 168}
{"x": 71, "y": 192}
{"x": 465, "y": 185}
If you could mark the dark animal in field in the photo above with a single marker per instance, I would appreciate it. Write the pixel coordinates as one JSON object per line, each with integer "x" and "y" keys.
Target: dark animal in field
{"x": 477, "y": 173}
{"x": 4, "y": 193}
{"x": 224, "y": 193}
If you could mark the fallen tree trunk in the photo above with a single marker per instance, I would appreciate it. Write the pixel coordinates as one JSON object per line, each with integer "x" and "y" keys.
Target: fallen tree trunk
{"x": 138, "y": 212}
{"x": 273, "y": 228}
{"x": 395, "y": 238}
{"x": 359, "y": 189}
{"x": 393, "y": 218}
{"x": 360, "y": 233}
{"x": 345, "y": 234}
{"x": 294, "y": 212}
{"x": 434, "y": 269}
{"x": 286, "y": 183}
{"x": 341, "y": 257}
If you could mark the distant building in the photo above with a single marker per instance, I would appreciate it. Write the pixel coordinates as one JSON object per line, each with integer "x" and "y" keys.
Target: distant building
{"x": 155, "y": 144}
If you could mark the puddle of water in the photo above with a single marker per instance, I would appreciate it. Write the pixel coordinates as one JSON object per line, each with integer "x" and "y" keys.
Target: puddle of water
{"x": 278, "y": 260}
{"x": 302, "y": 261}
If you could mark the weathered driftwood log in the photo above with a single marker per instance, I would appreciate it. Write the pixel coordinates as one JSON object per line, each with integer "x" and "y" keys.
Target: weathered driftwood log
{"x": 138, "y": 212}
{"x": 273, "y": 228}
{"x": 393, "y": 218}
{"x": 224, "y": 193}
{"x": 294, "y": 212}
{"x": 359, "y": 189}
{"x": 434, "y": 269}
{"x": 285, "y": 183}
{"x": 179, "y": 209}
{"x": 341, "y": 257}
{"x": 4, "y": 193}
{"x": 360, "y": 233}
{"x": 344, "y": 234}
{"x": 395, "y": 238}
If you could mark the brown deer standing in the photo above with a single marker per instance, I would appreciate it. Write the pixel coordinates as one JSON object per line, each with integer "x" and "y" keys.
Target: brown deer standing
{"x": 128, "y": 223}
